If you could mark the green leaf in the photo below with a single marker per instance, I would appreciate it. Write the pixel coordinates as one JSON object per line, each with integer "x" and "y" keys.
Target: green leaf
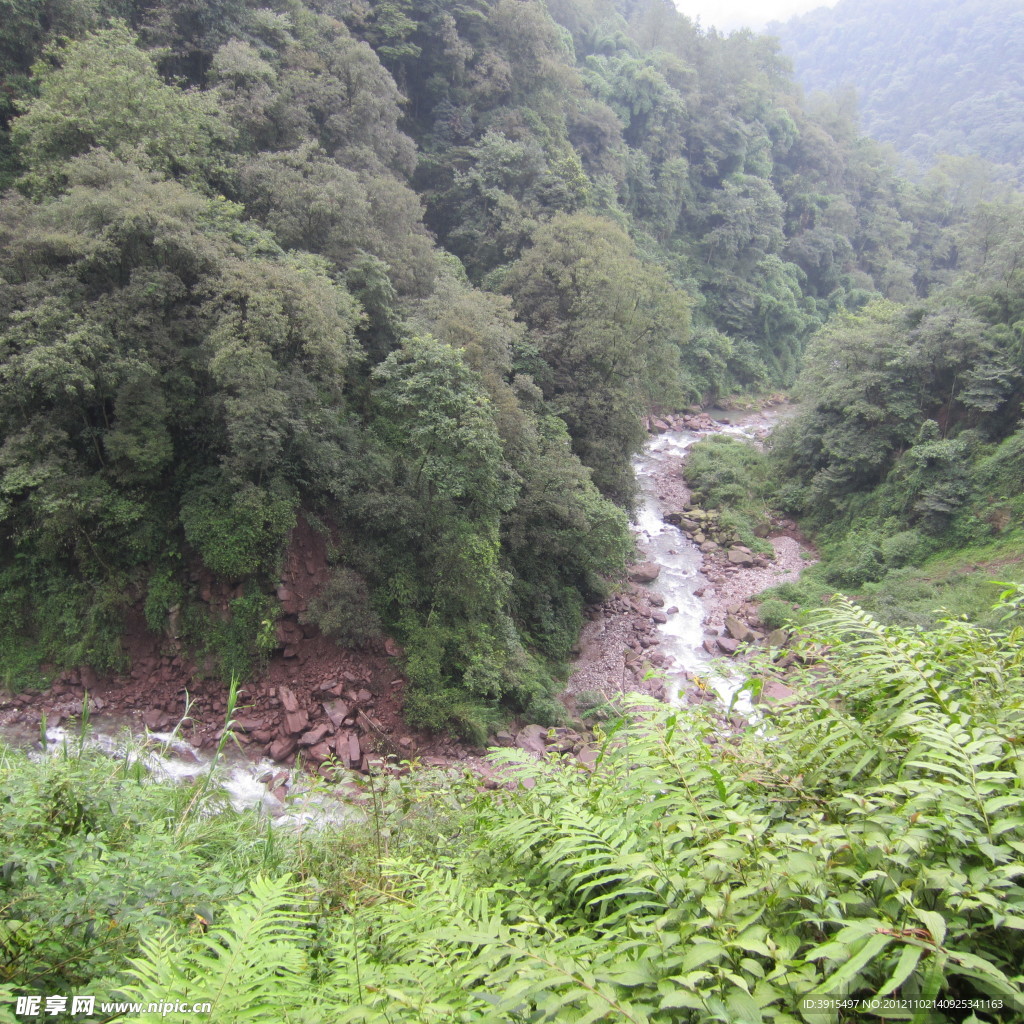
{"x": 934, "y": 922}
{"x": 904, "y": 968}
{"x": 743, "y": 1007}
{"x": 701, "y": 953}
{"x": 681, "y": 999}
{"x": 848, "y": 973}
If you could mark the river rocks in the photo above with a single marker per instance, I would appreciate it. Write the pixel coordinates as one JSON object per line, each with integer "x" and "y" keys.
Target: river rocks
{"x": 336, "y": 711}
{"x": 355, "y": 750}
{"x": 777, "y": 638}
{"x": 315, "y": 735}
{"x": 282, "y": 747}
{"x": 644, "y": 572}
{"x": 531, "y": 739}
{"x": 741, "y": 557}
{"x": 659, "y": 617}
{"x": 157, "y": 720}
{"x": 727, "y": 645}
{"x": 318, "y": 753}
{"x": 738, "y": 629}
{"x": 296, "y": 722}
{"x": 774, "y": 690}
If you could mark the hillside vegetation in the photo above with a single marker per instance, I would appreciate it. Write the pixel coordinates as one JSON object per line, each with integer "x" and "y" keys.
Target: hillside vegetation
{"x": 405, "y": 277}
{"x": 410, "y": 272}
{"x": 931, "y": 77}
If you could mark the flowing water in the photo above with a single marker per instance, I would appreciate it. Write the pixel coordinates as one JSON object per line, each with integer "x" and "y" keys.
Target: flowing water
{"x": 166, "y": 757}
{"x": 680, "y": 559}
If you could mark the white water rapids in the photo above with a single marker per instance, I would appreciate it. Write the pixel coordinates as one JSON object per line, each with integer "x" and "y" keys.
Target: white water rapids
{"x": 680, "y": 562}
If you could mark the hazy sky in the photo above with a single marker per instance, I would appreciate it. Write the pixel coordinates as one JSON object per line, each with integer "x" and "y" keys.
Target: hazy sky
{"x": 729, "y": 14}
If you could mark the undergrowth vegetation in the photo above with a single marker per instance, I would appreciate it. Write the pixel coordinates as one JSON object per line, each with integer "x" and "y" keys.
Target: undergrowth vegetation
{"x": 865, "y": 840}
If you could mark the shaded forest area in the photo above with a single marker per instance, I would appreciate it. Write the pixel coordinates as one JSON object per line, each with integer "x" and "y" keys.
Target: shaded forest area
{"x": 413, "y": 271}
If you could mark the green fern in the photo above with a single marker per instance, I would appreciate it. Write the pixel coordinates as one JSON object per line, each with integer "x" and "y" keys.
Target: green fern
{"x": 252, "y": 968}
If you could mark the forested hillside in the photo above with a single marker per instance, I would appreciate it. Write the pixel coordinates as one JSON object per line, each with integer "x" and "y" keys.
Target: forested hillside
{"x": 929, "y": 76}
{"x": 378, "y": 294}
{"x": 409, "y": 273}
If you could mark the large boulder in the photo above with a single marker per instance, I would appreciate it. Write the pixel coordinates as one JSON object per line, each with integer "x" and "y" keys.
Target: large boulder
{"x": 336, "y": 711}
{"x": 738, "y": 629}
{"x": 296, "y": 722}
{"x": 532, "y": 739}
{"x": 644, "y": 572}
{"x": 315, "y": 736}
{"x": 741, "y": 558}
{"x": 281, "y": 748}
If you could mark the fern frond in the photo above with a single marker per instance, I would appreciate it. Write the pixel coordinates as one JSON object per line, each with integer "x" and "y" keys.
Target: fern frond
{"x": 252, "y": 968}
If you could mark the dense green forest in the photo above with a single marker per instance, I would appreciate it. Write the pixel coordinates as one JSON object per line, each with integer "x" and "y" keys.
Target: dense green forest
{"x": 411, "y": 272}
{"x": 931, "y": 77}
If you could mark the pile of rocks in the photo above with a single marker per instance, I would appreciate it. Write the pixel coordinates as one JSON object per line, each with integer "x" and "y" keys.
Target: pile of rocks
{"x": 743, "y": 626}
{"x": 332, "y": 723}
{"x": 541, "y": 740}
{"x": 694, "y": 420}
{"x": 617, "y": 650}
{"x": 716, "y": 541}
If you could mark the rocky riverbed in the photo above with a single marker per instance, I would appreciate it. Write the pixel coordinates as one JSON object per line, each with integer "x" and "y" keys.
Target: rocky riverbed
{"x": 689, "y": 602}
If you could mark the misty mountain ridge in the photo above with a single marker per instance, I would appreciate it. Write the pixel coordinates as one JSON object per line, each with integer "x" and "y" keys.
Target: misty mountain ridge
{"x": 931, "y": 76}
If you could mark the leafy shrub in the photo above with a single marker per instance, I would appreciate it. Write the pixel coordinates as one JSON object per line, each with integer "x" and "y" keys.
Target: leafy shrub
{"x": 902, "y": 548}
{"x": 342, "y": 610}
{"x": 163, "y": 593}
{"x": 242, "y": 641}
{"x": 866, "y": 843}
{"x": 238, "y": 534}
{"x": 98, "y": 857}
{"x": 855, "y": 561}
{"x": 840, "y": 851}
{"x": 775, "y": 613}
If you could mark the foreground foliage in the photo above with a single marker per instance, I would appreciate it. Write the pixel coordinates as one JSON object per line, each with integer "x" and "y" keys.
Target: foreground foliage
{"x": 867, "y": 840}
